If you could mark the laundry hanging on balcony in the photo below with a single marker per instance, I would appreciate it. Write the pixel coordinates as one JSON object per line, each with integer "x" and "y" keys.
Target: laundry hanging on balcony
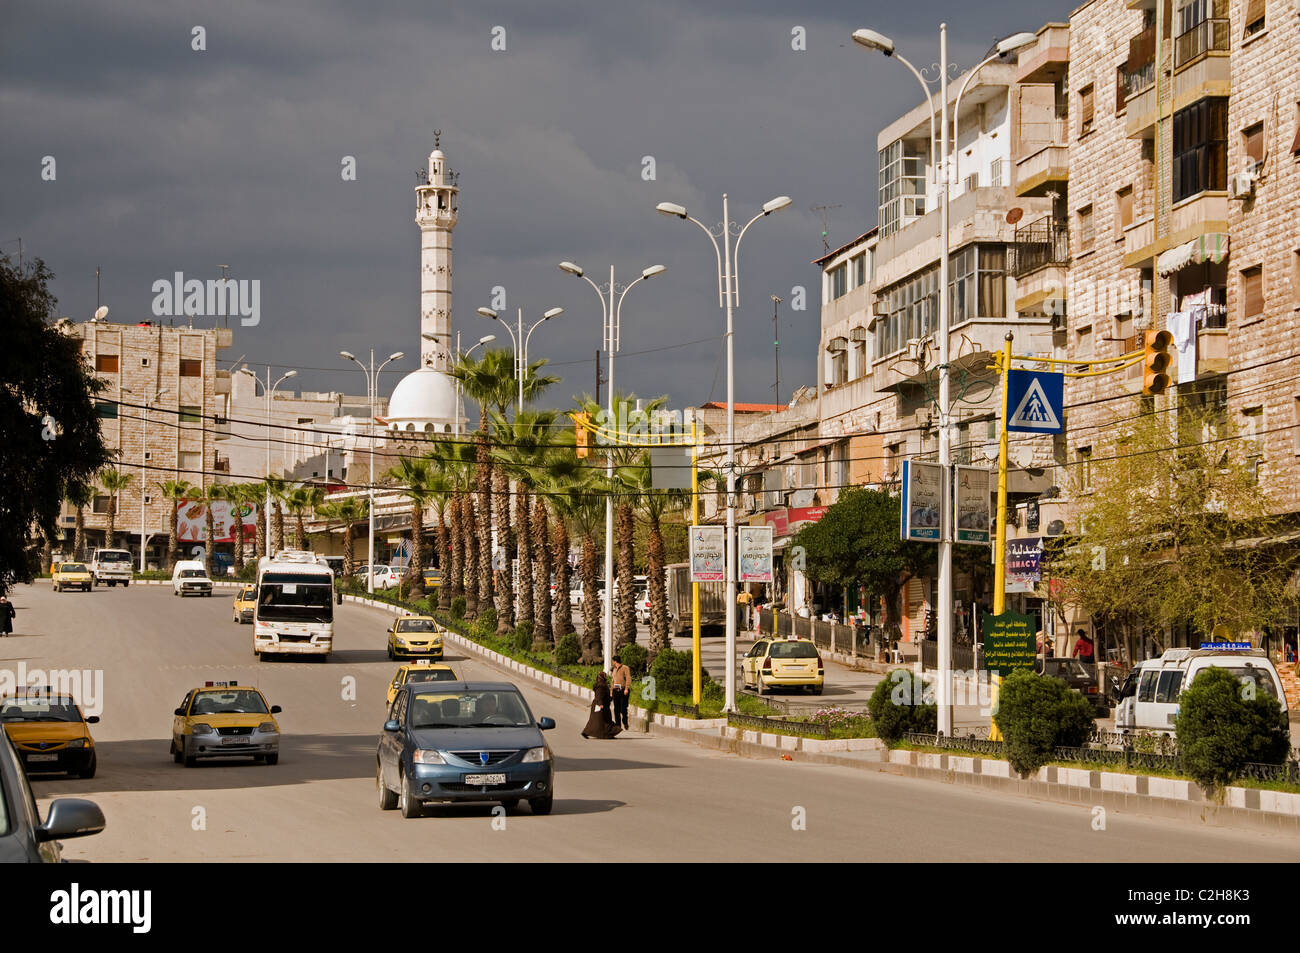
{"x": 1182, "y": 325}
{"x": 1211, "y": 247}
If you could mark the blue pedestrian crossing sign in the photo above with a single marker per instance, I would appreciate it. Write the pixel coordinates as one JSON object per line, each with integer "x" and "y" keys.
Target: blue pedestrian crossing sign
{"x": 1035, "y": 401}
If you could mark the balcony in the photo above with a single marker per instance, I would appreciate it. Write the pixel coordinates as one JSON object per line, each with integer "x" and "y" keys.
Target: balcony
{"x": 1208, "y": 36}
{"x": 1140, "y": 243}
{"x": 1199, "y": 215}
{"x": 1038, "y": 245}
{"x": 1212, "y": 356}
{"x": 1048, "y": 59}
{"x": 971, "y": 345}
{"x": 1044, "y": 165}
{"x": 221, "y": 464}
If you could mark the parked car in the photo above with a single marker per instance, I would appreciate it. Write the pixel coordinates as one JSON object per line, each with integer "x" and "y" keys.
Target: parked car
{"x": 790, "y": 662}
{"x": 643, "y": 606}
{"x": 1081, "y": 677}
{"x": 23, "y": 837}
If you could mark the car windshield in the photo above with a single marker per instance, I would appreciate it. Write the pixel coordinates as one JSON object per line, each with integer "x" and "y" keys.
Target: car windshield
{"x": 417, "y": 625}
{"x": 232, "y": 701}
{"x": 72, "y": 567}
{"x": 288, "y": 597}
{"x": 469, "y": 709}
{"x": 192, "y": 574}
{"x": 114, "y": 557}
{"x": 793, "y": 650}
{"x": 39, "y": 709}
{"x": 431, "y": 675}
{"x": 246, "y": 593}
{"x": 1068, "y": 668}
{"x": 1260, "y": 677}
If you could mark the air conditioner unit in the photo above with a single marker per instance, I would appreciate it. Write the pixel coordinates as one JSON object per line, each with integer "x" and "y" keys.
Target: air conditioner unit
{"x": 1241, "y": 185}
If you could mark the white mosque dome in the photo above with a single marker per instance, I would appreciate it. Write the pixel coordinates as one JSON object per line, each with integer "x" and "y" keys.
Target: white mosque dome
{"x": 423, "y": 401}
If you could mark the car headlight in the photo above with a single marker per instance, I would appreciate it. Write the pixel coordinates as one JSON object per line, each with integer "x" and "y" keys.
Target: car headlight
{"x": 201, "y": 729}
{"x": 427, "y": 756}
{"x": 533, "y": 755}
{"x": 399, "y": 639}
{"x": 268, "y": 727}
{"x": 77, "y": 743}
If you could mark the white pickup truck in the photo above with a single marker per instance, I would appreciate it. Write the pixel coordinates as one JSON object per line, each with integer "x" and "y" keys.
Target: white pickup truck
{"x": 110, "y": 567}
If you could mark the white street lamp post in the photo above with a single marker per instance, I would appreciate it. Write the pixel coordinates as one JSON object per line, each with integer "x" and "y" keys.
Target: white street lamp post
{"x": 269, "y": 390}
{"x": 372, "y": 388}
{"x": 520, "y": 340}
{"x": 876, "y": 41}
{"x": 144, "y": 452}
{"x": 729, "y": 298}
{"x": 611, "y": 331}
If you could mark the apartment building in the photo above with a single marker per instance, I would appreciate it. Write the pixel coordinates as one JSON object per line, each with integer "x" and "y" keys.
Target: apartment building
{"x": 162, "y": 411}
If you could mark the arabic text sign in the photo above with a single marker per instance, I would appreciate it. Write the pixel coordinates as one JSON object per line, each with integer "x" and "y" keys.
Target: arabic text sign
{"x": 708, "y": 553}
{"x": 922, "y": 501}
{"x": 1035, "y": 401}
{"x": 1024, "y": 564}
{"x": 1008, "y": 642}
{"x": 755, "y": 553}
{"x": 973, "y": 504}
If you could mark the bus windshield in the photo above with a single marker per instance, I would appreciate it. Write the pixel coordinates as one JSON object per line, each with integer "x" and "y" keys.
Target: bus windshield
{"x": 289, "y": 597}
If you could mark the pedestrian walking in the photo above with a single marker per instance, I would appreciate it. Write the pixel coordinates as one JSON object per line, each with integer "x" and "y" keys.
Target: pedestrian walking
{"x": 621, "y": 692}
{"x": 7, "y": 613}
{"x": 600, "y": 723}
{"x": 1082, "y": 647}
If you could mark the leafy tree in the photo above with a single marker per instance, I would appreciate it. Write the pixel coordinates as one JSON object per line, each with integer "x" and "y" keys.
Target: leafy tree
{"x": 856, "y": 543}
{"x": 51, "y": 441}
{"x": 1038, "y": 714}
{"x": 80, "y": 496}
{"x": 1174, "y": 528}
{"x": 174, "y": 491}
{"x": 114, "y": 482}
{"x": 1224, "y": 723}
{"x": 298, "y": 500}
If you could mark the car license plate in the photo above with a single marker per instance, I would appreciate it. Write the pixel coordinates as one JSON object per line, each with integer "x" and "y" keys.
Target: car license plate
{"x": 237, "y": 740}
{"x": 42, "y": 757}
{"x": 485, "y": 779}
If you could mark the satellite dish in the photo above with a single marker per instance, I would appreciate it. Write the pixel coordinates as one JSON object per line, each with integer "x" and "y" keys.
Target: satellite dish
{"x": 101, "y": 313}
{"x": 1055, "y": 528}
{"x": 1014, "y": 215}
{"x": 1022, "y": 457}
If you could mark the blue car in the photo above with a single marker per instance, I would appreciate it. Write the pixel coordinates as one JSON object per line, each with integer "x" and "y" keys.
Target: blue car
{"x": 463, "y": 741}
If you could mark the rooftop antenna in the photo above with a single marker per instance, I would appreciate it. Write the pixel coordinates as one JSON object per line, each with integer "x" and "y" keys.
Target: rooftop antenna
{"x": 825, "y": 210}
{"x": 776, "y": 343}
{"x": 96, "y": 286}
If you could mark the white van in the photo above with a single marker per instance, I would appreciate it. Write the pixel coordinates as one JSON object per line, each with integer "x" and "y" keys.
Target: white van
{"x": 190, "y": 578}
{"x": 1149, "y": 698}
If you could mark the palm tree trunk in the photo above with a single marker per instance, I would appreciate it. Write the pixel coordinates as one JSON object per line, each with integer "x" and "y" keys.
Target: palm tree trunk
{"x": 277, "y": 537}
{"x": 471, "y": 557}
{"x": 172, "y": 543}
{"x": 300, "y": 532}
{"x": 504, "y": 587}
{"x": 542, "y": 640}
{"x": 659, "y": 639}
{"x": 349, "y": 560}
{"x": 444, "y": 560}
{"x": 592, "y": 643}
{"x": 457, "y": 581}
{"x": 416, "y": 570}
{"x": 208, "y": 543}
{"x": 562, "y": 624}
{"x": 79, "y": 534}
{"x": 238, "y": 537}
{"x": 523, "y": 536}
{"x": 625, "y": 604}
{"x": 110, "y": 538}
{"x": 483, "y": 471}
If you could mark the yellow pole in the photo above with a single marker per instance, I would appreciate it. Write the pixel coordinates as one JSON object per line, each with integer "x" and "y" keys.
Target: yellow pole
{"x": 1000, "y": 541}
{"x": 695, "y": 586}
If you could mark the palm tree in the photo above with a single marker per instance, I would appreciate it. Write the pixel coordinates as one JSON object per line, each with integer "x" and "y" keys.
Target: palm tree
{"x": 452, "y": 461}
{"x": 542, "y": 640}
{"x": 584, "y": 504}
{"x": 413, "y": 476}
{"x": 114, "y": 481}
{"x": 210, "y": 494}
{"x": 655, "y": 504}
{"x": 521, "y": 451}
{"x": 562, "y": 483}
{"x": 279, "y": 489}
{"x": 298, "y": 500}
{"x": 80, "y": 495}
{"x": 236, "y": 496}
{"x": 347, "y": 513}
{"x": 174, "y": 491}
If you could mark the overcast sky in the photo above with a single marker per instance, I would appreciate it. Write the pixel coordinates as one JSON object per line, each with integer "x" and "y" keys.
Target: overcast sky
{"x": 169, "y": 159}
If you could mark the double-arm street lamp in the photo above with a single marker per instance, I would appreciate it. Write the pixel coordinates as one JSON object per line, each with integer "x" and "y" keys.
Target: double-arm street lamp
{"x": 883, "y": 44}
{"x": 728, "y": 298}
{"x": 520, "y": 340}
{"x": 269, "y": 389}
{"x": 611, "y": 309}
{"x": 372, "y": 388}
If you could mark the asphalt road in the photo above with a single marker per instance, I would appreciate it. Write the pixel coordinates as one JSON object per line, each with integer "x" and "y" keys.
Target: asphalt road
{"x": 637, "y": 797}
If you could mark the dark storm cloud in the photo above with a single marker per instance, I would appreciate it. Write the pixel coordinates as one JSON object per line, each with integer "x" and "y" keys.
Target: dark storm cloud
{"x": 175, "y": 160}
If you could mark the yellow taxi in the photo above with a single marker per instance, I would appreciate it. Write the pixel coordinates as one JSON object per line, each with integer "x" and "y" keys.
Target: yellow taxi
{"x": 225, "y": 720}
{"x": 791, "y": 662}
{"x": 414, "y": 635}
{"x": 71, "y": 576}
{"x": 432, "y": 578}
{"x": 420, "y": 671}
{"x": 49, "y": 732}
{"x": 245, "y": 603}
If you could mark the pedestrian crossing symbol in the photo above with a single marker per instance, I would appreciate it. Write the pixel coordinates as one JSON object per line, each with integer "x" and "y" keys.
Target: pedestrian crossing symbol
{"x": 1036, "y": 399}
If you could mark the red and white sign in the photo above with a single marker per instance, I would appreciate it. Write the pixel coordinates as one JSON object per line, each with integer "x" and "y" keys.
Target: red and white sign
{"x": 191, "y": 521}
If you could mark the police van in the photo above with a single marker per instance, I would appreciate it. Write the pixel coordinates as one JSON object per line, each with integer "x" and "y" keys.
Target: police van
{"x": 1149, "y": 697}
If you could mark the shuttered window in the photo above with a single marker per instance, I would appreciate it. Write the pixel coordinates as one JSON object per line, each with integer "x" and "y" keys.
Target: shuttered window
{"x": 1123, "y": 209}
{"x": 1253, "y": 139}
{"x": 1252, "y": 292}
{"x": 106, "y": 363}
{"x": 1085, "y": 228}
{"x": 1085, "y": 110}
{"x": 191, "y": 368}
{"x": 1254, "y": 17}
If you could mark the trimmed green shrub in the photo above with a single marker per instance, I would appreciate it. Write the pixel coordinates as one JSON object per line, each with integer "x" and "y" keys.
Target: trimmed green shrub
{"x": 569, "y": 651}
{"x": 486, "y": 623}
{"x": 458, "y": 607}
{"x": 672, "y": 673}
{"x": 1225, "y": 722}
{"x": 902, "y": 703}
{"x": 522, "y": 639}
{"x": 634, "y": 657}
{"x": 1037, "y": 714}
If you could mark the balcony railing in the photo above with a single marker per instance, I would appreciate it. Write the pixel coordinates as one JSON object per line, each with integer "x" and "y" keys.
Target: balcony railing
{"x": 1141, "y": 79}
{"x": 1207, "y": 35}
{"x": 1039, "y": 244}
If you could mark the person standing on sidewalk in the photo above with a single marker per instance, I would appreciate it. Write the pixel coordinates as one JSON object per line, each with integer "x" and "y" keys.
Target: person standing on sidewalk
{"x": 600, "y": 723}
{"x": 621, "y": 691}
{"x": 7, "y": 613}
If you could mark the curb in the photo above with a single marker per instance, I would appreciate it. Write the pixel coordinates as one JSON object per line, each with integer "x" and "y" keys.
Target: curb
{"x": 1253, "y": 808}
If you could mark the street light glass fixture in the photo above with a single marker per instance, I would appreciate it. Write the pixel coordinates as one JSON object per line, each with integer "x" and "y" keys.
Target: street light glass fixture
{"x": 653, "y": 270}
{"x": 347, "y": 355}
{"x": 397, "y": 356}
{"x": 874, "y": 41}
{"x": 554, "y": 312}
{"x": 776, "y": 204}
{"x": 487, "y": 339}
{"x": 489, "y": 313}
{"x": 571, "y": 268}
{"x": 290, "y": 374}
{"x": 669, "y": 208}
{"x": 1016, "y": 42}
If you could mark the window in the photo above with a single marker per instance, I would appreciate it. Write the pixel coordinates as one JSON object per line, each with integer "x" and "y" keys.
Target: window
{"x": 979, "y": 282}
{"x": 1085, "y": 110}
{"x": 1254, "y": 17}
{"x": 1147, "y": 685}
{"x": 189, "y": 460}
{"x": 838, "y": 277}
{"x": 1253, "y": 439}
{"x": 106, "y": 363}
{"x": 1296, "y": 429}
{"x": 1295, "y": 143}
{"x": 144, "y": 362}
{"x": 1167, "y": 688}
{"x": 190, "y": 414}
{"x": 1083, "y": 459}
{"x": 1201, "y": 148}
{"x": 106, "y": 409}
{"x": 972, "y": 182}
{"x": 1121, "y": 87}
{"x": 901, "y": 183}
{"x": 1295, "y": 278}
{"x": 1252, "y": 292}
{"x": 1123, "y": 210}
{"x": 191, "y": 368}
{"x": 1252, "y": 140}
{"x": 860, "y": 270}
{"x": 100, "y": 505}
{"x": 908, "y": 310}
{"x": 1085, "y": 228}
{"x": 995, "y": 174}
{"x": 1083, "y": 344}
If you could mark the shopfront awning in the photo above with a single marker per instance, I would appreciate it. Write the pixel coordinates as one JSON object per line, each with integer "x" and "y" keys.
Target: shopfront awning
{"x": 1211, "y": 247}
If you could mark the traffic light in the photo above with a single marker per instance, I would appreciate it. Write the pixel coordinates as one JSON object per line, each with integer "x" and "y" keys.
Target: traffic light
{"x": 1155, "y": 362}
{"x": 580, "y": 422}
